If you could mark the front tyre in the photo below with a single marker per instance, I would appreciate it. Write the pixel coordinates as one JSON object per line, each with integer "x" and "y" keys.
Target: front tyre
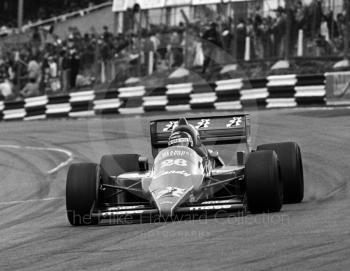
{"x": 81, "y": 193}
{"x": 263, "y": 183}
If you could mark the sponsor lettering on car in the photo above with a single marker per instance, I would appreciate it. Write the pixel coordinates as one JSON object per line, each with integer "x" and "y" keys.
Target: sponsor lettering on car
{"x": 203, "y": 123}
{"x": 173, "y": 162}
{"x": 211, "y": 207}
{"x": 170, "y": 126}
{"x": 163, "y": 173}
{"x": 168, "y": 153}
{"x": 234, "y": 122}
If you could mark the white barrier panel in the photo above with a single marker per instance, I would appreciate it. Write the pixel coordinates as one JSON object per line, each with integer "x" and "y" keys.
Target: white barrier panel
{"x": 107, "y": 104}
{"x": 131, "y": 110}
{"x": 155, "y": 101}
{"x": 282, "y": 80}
{"x": 58, "y": 108}
{"x": 254, "y": 94}
{"x": 14, "y": 114}
{"x": 200, "y": 98}
{"x": 236, "y": 105}
{"x": 38, "y": 117}
{"x": 179, "y": 89}
{"x": 82, "y": 96}
{"x": 281, "y": 102}
{"x": 310, "y": 91}
{"x": 81, "y": 114}
{"x": 231, "y": 84}
{"x": 175, "y": 108}
{"x": 131, "y": 92}
{"x": 36, "y": 101}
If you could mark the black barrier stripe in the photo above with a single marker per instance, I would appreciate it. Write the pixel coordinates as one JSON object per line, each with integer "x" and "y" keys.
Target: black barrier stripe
{"x": 181, "y": 100}
{"x": 35, "y": 111}
{"x": 204, "y": 105}
{"x": 154, "y": 108}
{"x": 58, "y": 99}
{"x": 310, "y": 80}
{"x": 306, "y": 101}
{"x": 104, "y": 95}
{"x": 281, "y": 92}
{"x": 131, "y": 102}
{"x": 255, "y": 83}
{"x": 204, "y": 88}
{"x": 157, "y": 91}
{"x": 14, "y": 105}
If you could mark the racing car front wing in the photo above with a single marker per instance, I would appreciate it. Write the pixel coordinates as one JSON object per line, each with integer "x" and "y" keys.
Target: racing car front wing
{"x": 226, "y": 206}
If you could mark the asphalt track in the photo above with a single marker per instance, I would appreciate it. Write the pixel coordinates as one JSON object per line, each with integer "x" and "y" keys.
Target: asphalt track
{"x": 35, "y": 234}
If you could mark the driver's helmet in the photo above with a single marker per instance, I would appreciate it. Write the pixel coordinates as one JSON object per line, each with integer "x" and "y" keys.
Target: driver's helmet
{"x": 180, "y": 138}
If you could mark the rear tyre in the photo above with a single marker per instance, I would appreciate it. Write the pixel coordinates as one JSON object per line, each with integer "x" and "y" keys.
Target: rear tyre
{"x": 291, "y": 169}
{"x": 263, "y": 183}
{"x": 114, "y": 165}
{"x": 81, "y": 193}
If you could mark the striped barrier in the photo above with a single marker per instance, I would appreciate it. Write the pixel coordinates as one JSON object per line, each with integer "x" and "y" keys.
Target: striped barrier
{"x": 283, "y": 91}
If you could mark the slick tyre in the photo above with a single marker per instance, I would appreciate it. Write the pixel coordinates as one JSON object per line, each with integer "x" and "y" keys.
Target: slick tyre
{"x": 291, "y": 169}
{"x": 81, "y": 193}
{"x": 114, "y": 165}
{"x": 263, "y": 183}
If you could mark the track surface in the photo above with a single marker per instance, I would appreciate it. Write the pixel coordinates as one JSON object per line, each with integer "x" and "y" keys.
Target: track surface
{"x": 35, "y": 234}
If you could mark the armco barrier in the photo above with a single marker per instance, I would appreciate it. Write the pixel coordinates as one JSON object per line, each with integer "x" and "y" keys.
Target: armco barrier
{"x": 283, "y": 91}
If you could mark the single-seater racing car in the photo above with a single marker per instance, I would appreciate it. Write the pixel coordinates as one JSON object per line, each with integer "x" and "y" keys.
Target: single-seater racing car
{"x": 188, "y": 176}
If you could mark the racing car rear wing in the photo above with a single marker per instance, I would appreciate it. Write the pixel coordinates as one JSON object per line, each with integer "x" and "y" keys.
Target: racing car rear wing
{"x": 213, "y": 130}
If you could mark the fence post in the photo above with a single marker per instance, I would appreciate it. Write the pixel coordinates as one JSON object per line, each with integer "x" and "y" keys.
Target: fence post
{"x": 150, "y": 62}
{"x": 300, "y": 42}
{"x": 247, "y": 49}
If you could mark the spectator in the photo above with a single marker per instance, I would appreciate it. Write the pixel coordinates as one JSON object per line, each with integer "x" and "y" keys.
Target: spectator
{"x": 74, "y": 66}
{"x": 176, "y": 57}
{"x": 156, "y": 44}
{"x": 264, "y": 43}
{"x": 34, "y": 72}
{"x": 211, "y": 42}
{"x": 107, "y": 36}
{"x": 5, "y": 85}
{"x": 279, "y": 32}
{"x": 241, "y": 38}
{"x": 107, "y": 59}
{"x": 31, "y": 89}
{"x": 54, "y": 81}
{"x": 199, "y": 55}
{"x": 300, "y": 15}
{"x": 65, "y": 67}
{"x": 316, "y": 15}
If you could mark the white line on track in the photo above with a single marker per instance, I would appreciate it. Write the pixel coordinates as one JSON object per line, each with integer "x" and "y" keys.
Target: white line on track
{"x": 29, "y": 201}
{"x": 51, "y": 171}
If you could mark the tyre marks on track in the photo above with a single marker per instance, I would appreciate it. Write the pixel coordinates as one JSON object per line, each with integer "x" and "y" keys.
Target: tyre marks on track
{"x": 53, "y": 170}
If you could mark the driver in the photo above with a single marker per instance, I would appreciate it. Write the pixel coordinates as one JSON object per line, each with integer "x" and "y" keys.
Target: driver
{"x": 180, "y": 138}
{"x": 187, "y": 135}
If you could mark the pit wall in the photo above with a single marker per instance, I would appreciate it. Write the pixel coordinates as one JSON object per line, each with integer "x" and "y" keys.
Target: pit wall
{"x": 282, "y": 91}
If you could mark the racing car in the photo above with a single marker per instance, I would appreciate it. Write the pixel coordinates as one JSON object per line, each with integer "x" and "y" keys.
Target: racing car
{"x": 188, "y": 175}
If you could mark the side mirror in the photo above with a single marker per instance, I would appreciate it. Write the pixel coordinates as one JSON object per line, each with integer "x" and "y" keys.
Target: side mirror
{"x": 143, "y": 164}
{"x": 241, "y": 157}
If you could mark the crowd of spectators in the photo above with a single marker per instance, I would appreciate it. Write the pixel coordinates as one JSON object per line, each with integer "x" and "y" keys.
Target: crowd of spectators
{"x": 52, "y": 64}
{"x": 39, "y": 10}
